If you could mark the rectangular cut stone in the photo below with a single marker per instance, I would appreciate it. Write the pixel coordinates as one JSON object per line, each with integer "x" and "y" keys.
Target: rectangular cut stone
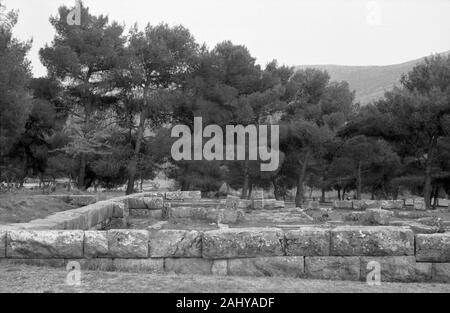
{"x": 148, "y": 203}
{"x": 54, "y": 263}
{"x": 52, "y": 244}
{"x": 219, "y": 267}
{"x": 397, "y": 269}
{"x": 392, "y": 204}
{"x": 105, "y": 265}
{"x": 155, "y": 266}
{"x": 308, "y": 241}
{"x": 2, "y": 244}
{"x": 409, "y": 202}
{"x": 372, "y": 241}
{"x": 188, "y": 266}
{"x": 181, "y": 212}
{"x": 333, "y": 268}
{"x": 128, "y": 244}
{"x": 183, "y": 195}
{"x": 176, "y": 244}
{"x": 242, "y": 243}
{"x": 440, "y": 272}
{"x": 343, "y": 205}
{"x": 95, "y": 244}
{"x": 283, "y": 266}
{"x": 433, "y": 247}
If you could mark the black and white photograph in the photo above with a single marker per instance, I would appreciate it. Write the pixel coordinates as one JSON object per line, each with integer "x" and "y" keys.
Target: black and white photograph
{"x": 200, "y": 149}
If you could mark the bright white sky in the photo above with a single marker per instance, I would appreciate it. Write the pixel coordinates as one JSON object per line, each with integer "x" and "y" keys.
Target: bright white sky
{"x": 295, "y": 32}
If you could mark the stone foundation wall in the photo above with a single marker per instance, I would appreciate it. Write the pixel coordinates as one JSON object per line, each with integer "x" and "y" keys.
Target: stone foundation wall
{"x": 341, "y": 253}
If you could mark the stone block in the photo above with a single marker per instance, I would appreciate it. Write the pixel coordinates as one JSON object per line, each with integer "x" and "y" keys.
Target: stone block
{"x": 378, "y": 216}
{"x": 343, "y": 205}
{"x": 242, "y": 243}
{"x": 333, "y": 268}
{"x": 372, "y": 241}
{"x": 308, "y": 241}
{"x": 183, "y": 195}
{"x": 153, "y": 266}
{"x": 188, "y": 266}
{"x": 128, "y": 244}
{"x": 52, "y": 244}
{"x": 433, "y": 247}
{"x": 398, "y": 269}
{"x": 440, "y": 272}
{"x": 176, "y": 244}
{"x": 283, "y": 266}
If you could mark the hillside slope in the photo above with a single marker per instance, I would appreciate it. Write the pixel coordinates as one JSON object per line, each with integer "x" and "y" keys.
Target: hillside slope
{"x": 369, "y": 82}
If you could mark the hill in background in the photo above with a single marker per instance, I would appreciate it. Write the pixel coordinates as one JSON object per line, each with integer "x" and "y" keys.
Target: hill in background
{"x": 369, "y": 82}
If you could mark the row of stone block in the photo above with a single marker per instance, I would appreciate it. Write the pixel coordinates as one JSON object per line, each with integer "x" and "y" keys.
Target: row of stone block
{"x": 233, "y": 202}
{"x": 392, "y": 269}
{"x": 211, "y": 214}
{"x": 226, "y": 243}
{"x": 368, "y": 204}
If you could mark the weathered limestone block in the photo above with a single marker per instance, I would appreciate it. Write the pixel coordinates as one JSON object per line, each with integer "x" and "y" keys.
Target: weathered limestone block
{"x": 355, "y": 216}
{"x": 54, "y": 263}
{"x": 119, "y": 208}
{"x": 283, "y": 266}
{"x": 273, "y": 204}
{"x": 433, "y": 247}
{"x": 105, "y": 265}
{"x": 392, "y": 204}
{"x": 409, "y": 202}
{"x": 343, "y": 205}
{"x": 333, "y": 268}
{"x": 398, "y": 269}
{"x": 242, "y": 243}
{"x": 258, "y": 204}
{"x": 378, "y": 216}
{"x": 52, "y": 244}
{"x": 361, "y": 205}
{"x": 188, "y": 266}
{"x": 128, "y": 244}
{"x": 440, "y": 272}
{"x": 154, "y": 266}
{"x": 176, "y": 244}
{"x": 308, "y": 241}
{"x": 183, "y": 195}
{"x": 416, "y": 227}
{"x": 372, "y": 241}
{"x": 219, "y": 268}
{"x": 95, "y": 244}
{"x": 181, "y": 212}
{"x": 2, "y": 244}
{"x": 419, "y": 204}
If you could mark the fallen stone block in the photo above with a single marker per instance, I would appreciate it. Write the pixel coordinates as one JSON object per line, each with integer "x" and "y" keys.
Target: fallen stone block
{"x": 153, "y": 266}
{"x": 307, "y": 241}
{"x": 176, "y": 244}
{"x": 378, "y": 216}
{"x": 398, "y": 269}
{"x": 242, "y": 243}
{"x": 2, "y": 244}
{"x": 372, "y": 241}
{"x": 52, "y": 244}
{"x": 219, "y": 268}
{"x": 333, "y": 268}
{"x": 441, "y": 272}
{"x": 283, "y": 266}
{"x": 188, "y": 266}
{"x": 433, "y": 247}
{"x": 183, "y": 195}
{"x": 343, "y": 205}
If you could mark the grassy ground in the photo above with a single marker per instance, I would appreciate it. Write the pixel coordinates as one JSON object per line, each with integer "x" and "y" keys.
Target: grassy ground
{"x": 44, "y": 280}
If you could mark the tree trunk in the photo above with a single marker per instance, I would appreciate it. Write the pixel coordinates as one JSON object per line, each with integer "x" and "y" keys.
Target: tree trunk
{"x": 250, "y": 190}
{"x": 276, "y": 190}
{"x": 339, "y": 193}
{"x": 301, "y": 178}
{"x": 428, "y": 171}
{"x": 245, "y": 186}
{"x": 132, "y": 167}
{"x": 322, "y": 197}
{"x": 359, "y": 183}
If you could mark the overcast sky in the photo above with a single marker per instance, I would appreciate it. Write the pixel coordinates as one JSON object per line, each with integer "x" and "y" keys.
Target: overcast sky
{"x": 295, "y": 32}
